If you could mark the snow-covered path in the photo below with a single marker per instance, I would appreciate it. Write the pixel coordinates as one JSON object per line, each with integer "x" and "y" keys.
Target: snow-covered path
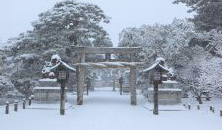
{"x": 107, "y": 110}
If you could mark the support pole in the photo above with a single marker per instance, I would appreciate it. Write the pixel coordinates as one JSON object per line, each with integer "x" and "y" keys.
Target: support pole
{"x": 30, "y": 101}
{"x": 107, "y": 57}
{"x": 211, "y": 108}
{"x": 23, "y": 103}
{"x": 62, "y": 98}
{"x": 81, "y": 77}
{"x": 80, "y": 86}
{"x": 220, "y": 113}
{"x": 7, "y": 108}
{"x": 121, "y": 88}
{"x": 114, "y": 84}
{"x": 133, "y": 85}
{"x": 16, "y": 106}
{"x": 83, "y": 57}
{"x": 87, "y": 87}
{"x": 198, "y": 107}
{"x": 189, "y": 106}
{"x": 155, "y": 109}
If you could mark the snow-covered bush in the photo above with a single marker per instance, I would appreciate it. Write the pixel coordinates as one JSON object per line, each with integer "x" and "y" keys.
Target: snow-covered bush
{"x": 5, "y": 85}
{"x": 202, "y": 74}
{"x": 24, "y": 87}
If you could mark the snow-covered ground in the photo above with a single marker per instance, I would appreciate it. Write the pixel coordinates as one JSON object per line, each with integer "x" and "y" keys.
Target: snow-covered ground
{"x": 105, "y": 109}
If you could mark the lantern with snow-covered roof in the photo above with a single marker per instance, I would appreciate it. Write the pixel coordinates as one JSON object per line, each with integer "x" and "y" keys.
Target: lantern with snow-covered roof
{"x": 62, "y": 71}
{"x": 157, "y": 71}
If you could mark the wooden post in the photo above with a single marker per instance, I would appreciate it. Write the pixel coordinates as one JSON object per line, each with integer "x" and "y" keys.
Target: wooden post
{"x": 7, "y": 108}
{"x": 220, "y": 113}
{"x": 16, "y": 106}
{"x": 155, "y": 98}
{"x": 132, "y": 57}
{"x": 81, "y": 77}
{"x": 62, "y": 98}
{"x": 23, "y": 103}
{"x": 121, "y": 88}
{"x": 198, "y": 107}
{"x": 133, "y": 85}
{"x": 80, "y": 86}
{"x": 108, "y": 57}
{"x": 114, "y": 85}
{"x": 30, "y": 101}
{"x": 189, "y": 107}
{"x": 87, "y": 89}
{"x": 83, "y": 57}
{"x": 211, "y": 108}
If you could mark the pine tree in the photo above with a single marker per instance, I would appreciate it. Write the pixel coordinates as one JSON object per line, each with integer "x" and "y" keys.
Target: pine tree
{"x": 208, "y": 13}
{"x": 67, "y": 24}
{"x": 71, "y": 23}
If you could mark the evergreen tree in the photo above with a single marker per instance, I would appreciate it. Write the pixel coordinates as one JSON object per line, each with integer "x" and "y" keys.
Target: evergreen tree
{"x": 164, "y": 40}
{"x": 208, "y": 13}
{"x": 71, "y": 23}
{"x": 67, "y": 24}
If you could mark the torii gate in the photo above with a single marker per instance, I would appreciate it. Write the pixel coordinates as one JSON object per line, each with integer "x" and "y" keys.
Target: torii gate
{"x": 81, "y": 64}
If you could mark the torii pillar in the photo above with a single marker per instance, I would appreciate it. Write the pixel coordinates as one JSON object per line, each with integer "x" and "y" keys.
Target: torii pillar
{"x": 133, "y": 85}
{"x": 132, "y": 79}
{"x": 81, "y": 79}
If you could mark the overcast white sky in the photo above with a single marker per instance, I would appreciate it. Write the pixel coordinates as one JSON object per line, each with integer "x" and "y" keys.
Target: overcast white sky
{"x": 17, "y": 15}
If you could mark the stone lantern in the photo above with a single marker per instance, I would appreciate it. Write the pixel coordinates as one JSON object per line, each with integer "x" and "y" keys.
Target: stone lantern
{"x": 62, "y": 74}
{"x": 156, "y": 71}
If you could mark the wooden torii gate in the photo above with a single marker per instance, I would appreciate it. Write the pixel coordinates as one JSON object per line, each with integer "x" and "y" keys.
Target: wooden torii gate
{"x": 81, "y": 64}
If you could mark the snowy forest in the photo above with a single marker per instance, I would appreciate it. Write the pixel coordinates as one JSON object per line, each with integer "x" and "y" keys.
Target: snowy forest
{"x": 192, "y": 47}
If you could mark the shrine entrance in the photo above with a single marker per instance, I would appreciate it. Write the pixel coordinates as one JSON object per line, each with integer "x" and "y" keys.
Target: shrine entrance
{"x": 128, "y": 61}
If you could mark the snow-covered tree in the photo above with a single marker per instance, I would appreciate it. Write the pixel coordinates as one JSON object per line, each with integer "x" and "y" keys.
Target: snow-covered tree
{"x": 208, "y": 13}
{"x": 210, "y": 76}
{"x": 173, "y": 41}
{"x": 5, "y": 85}
{"x": 202, "y": 74}
{"x": 176, "y": 43}
{"x": 71, "y": 23}
{"x": 165, "y": 40}
{"x": 55, "y": 31}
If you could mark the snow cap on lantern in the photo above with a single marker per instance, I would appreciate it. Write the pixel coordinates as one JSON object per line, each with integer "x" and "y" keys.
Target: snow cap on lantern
{"x": 61, "y": 69}
{"x": 156, "y": 71}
